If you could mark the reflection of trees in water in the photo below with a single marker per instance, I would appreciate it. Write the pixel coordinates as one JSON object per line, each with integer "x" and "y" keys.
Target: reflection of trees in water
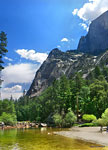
{"x": 38, "y": 139}
{"x": 8, "y": 139}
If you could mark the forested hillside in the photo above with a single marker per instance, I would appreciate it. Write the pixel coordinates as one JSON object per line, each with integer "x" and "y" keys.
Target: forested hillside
{"x": 82, "y": 96}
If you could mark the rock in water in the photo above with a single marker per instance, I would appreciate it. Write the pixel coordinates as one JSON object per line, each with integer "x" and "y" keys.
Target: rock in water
{"x": 96, "y": 41}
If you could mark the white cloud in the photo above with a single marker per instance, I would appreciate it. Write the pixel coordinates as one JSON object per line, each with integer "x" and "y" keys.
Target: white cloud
{"x": 91, "y": 10}
{"x": 15, "y": 92}
{"x": 75, "y": 12}
{"x": 14, "y": 89}
{"x": 58, "y": 46}
{"x": 32, "y": 55}
{"x": 9, "y": 59}
{"x": 8, "y": 95}
{"x": 85, "y": 27}
{"x": 19, "y": 73}
{"x": 64, "y": 40}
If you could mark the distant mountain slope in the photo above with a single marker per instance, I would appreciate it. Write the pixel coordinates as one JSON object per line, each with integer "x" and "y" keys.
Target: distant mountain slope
{"x": 96, "y": 41}
{"x": 59, "y": 63}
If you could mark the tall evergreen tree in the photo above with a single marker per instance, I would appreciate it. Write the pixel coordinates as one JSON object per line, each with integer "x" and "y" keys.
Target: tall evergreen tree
{"x": 3, "y": 50}
{"x": 97, "y": 71}
{"x": 3, "y": 45}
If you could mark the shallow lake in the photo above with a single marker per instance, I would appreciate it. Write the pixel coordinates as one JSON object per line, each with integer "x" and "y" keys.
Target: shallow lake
{"x": 41, "y": 139}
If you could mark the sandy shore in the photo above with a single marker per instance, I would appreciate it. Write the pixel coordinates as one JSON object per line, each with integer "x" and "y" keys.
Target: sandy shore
{"x": 90, "y": 134}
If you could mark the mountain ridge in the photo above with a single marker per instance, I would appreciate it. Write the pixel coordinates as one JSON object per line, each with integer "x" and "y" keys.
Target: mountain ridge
{"x": 54, "y": 68}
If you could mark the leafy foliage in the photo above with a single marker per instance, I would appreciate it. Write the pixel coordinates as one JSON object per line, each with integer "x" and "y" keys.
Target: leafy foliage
{"x": 7, "y": 112}
{"x": 57, "y": 119}
{"x": 87, "y": 125}
{"x": 82, "y": 96}
{"x": 70, "y": 118}
{"x": 8, "y": 119}
{"x": 88, "y": 117}
{"x": 103, "y": 121}
{"x": 66, "y": 120}
{"x": 64, "y": 100}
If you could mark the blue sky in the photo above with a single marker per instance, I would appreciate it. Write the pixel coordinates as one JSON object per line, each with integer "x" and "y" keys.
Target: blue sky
{"x": 39, "y": 24}
{"x": 34, "y": 28}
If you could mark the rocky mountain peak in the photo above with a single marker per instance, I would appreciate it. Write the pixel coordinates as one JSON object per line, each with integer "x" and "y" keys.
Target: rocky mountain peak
{"x": 55, "y": 53}
{"x": 57, "y": 64}
{"x": 95, "y": 42}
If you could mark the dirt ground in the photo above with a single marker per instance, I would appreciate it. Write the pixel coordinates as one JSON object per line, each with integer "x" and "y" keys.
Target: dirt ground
{"x": 90, "y": 134}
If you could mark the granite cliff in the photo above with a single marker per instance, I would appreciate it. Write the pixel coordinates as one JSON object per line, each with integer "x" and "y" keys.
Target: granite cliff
{"x": 57, "y": 64}
{"x": 96, "y": 41}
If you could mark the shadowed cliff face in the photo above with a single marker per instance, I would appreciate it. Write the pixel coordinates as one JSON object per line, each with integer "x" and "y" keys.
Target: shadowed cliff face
{"x": 96, "y": 41}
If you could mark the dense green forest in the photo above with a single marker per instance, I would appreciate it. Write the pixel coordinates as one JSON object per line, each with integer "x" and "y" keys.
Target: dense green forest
{"x": 63, "y": 100}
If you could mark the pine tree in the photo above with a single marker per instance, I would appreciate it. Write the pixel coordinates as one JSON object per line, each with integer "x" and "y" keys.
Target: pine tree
{"x": 3, "y": 50}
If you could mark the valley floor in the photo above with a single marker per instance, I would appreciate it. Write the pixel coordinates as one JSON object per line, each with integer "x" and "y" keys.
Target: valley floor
{"x": 90, "y": 134}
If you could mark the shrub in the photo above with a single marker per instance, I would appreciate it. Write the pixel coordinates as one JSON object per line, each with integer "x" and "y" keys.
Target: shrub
{"x": 8, "y": 119}
{"x": 88, "y": 118}
{"x": 66, "y": 121}
{"x": 101, "y": 122}
{"x": 87, "y": 125}
{"x": 95, "y": 122}
{"x": 70, "y": 118}
{"x": 105, "y": 115}
{"x": 57, "y": 119}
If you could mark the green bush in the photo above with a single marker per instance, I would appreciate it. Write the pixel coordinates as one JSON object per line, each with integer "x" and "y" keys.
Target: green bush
{"x": 70, "y": 118}
{"x": 88, "y": 118}
{"x": 105, "y": 116}
{"x": 87, "y": 125}
{"x": 95, "y": 122}
{"x": 103, "y": 121}
{"x": 57, "y": 119}
{"x": 8, "y": 119}
{"x": 66, "y": 121}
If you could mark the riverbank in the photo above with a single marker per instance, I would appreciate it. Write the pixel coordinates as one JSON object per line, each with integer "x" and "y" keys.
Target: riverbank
{"x": 21, "y": 125}
{"x": 89, "y": 134}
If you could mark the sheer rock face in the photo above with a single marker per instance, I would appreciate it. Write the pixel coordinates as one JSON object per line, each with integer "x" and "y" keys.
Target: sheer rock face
{"x": 57, "y": 64}
{"x": 96, "y": 41}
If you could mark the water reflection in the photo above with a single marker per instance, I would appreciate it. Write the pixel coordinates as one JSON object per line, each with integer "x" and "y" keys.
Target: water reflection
{"x": 43, "y": 129}
{"x": 15, "y": 147}
{"x": 41, "y": 139}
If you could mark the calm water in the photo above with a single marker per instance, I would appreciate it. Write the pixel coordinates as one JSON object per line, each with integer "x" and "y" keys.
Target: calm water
{"x": 41, "y": 139}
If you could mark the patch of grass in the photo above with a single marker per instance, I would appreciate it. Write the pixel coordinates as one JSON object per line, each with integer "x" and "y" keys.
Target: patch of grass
{"x": 75, "y": 124}
{"x": 86, "y": 125}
